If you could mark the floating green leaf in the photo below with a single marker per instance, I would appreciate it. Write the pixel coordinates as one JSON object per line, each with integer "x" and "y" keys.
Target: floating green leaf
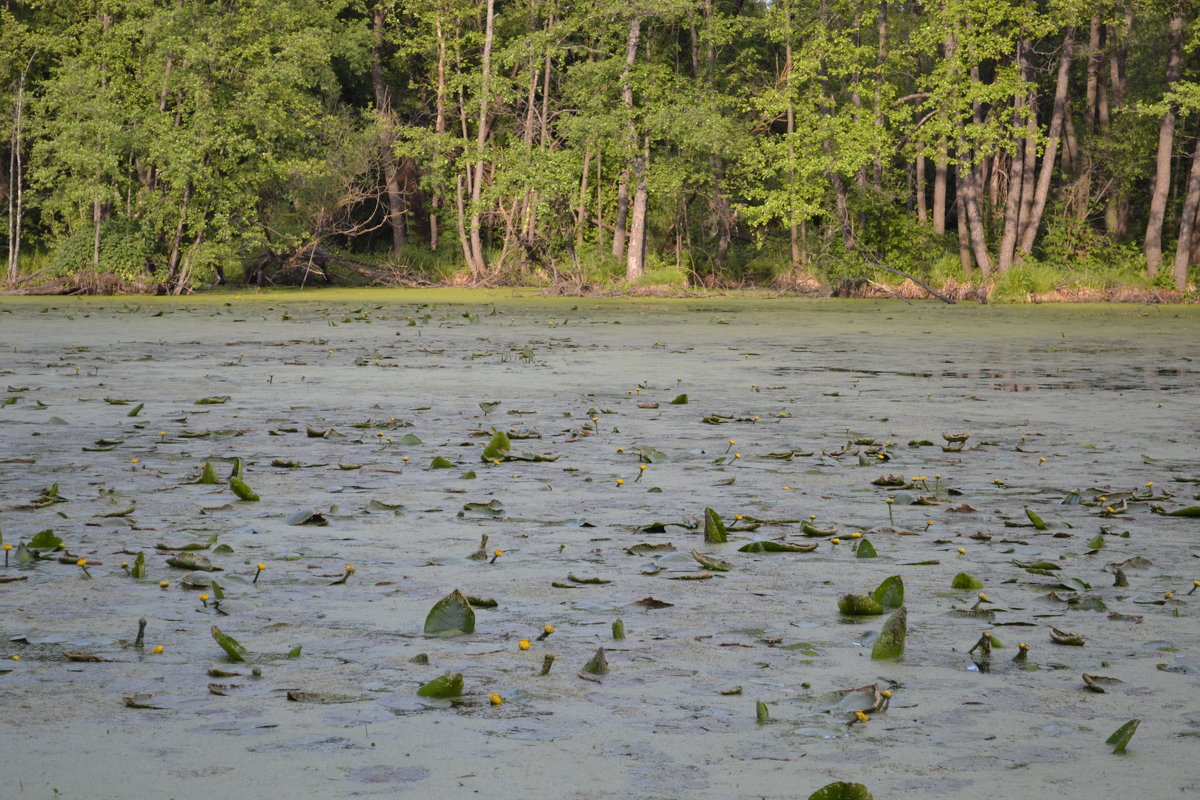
{"x": 714, "y": 528}
{"x": 1062, "y": 637}
{"x": 767, "y": 546}
{"x": 965, "y": 580}
{"x": 857, "y": 605}
{"x": 890, "y": 643}
{"x": 243, "y": 490}
{"x": 133, "y": 412}
{"x": 45, "y": 540}
{"x": 1191, "y": 511}
{"x": 709, "y": 562}
{"x": 307, "y": 516}
{"x": 1096, "y": 542}
{"x": 618, "y": 630}
{"x": 680, "y": 400}
{"x": 760, "y": 710}
{"x": 444, "y": 686}
{"x": 440, "y": 463}
{"x": 294, "y": 652}
{"x": 598, "y": 665}
{"x": 452, "y": 615}
{"x": 865, "y": 549}
{"x": 230, "y": 645}
{"x": 139, "y": 566}
{"x": 237, "y": 470}
{"x": 497, "y": 449}
{"x": 890, "y": 593}
{"x": 190, "y": 560}
{"x": 841, "y": 791}
{"x": 214, "y": 400}
{"x": 809, "y": 529}
{"x": 208, "y": 475}
{"x": 652, "y": 455}
{"x": 410, "y": 440}
{"x": 1122, "y": 735}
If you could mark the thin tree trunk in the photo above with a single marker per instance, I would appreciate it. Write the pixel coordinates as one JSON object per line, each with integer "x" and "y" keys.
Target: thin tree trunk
{"x": 793, "y": 229}
{"x": 1187, "y": 222}
{"x": 635, "y": 263}
{"x": 1042, "y": 191}
{"x": 631, "y": 46}
{"x": 922, "y": 202}
{"x": 383, "y": 108}
{"x": 16, "y": 174}
{"x": 478, "y": 265}
{"x": 964, "y": 234}
{"x": 941, "y": 168}
{"x": 1012, "y": 205}
{"x": 1166, "y": 136}
{"x": 439, "y": 127}
{"x": 97, "y": 218}
{"x": 581, "y": 213}
{"x": 975, "y": 223}
{"x": 599, "y": 204}
{"x": 1029, "y": 171}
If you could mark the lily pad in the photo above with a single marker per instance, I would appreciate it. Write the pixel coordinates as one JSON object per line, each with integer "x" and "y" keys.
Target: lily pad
{"x": 190, "y": 560}
{"x": 890, "y": 593}
{"x": 230, "y": 645}
{"x": 890, "y": 643}
{"x": 1122, "y": 735}
{"x": 768, "y": 546}
{"x": 452, "y": 615}
{"x": 680, "y": 400}
{"x": 307, "y": 516}
{"x": 440, "y": 463}
{"x": 965, "y": 580}
{"x": 714, "y": 529}
{"x": 865, "y": 549}
{"x": 497, "y": 449}
{"x": 652, "y": 455}
{"x": 857, "y": 605}
{"x": 444, "y": 686}
{"x": 841, "y": 791}
{"x": 1062, "y": 637}
{"x": 1037, "y": 521}
{"x": 709, "y": 562}
{"x": 598, "y": 665}
{"x": 242, "y": 490}
{"x": 45, "y": 540}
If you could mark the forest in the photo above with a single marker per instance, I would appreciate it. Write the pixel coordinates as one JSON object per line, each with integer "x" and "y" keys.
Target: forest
{"x": 166, "y": 146}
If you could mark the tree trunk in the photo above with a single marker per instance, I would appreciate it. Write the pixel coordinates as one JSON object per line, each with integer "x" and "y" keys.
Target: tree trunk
{"x": 793, "y": 228}
{"x": 631, "y": 46}
{"x": 1042, "y": 191}
{"x": 16, "y": 174}
{"x": 1166, "y": 136}
{"x": 1029, "y": 171}
{"x": 964, "y": 234}
{"x": 635, "y": 264}
{"x": 383, "y": 108}
{"x": 439, "y": 127}
{"x": 922, "y": 203}
{"x": 1012, "y": 205}
{"x": 478, "y": 263}
{"x": 1187, "y": 222}
{"x": 941, "y": 166}
{"x": 975, "y": 223}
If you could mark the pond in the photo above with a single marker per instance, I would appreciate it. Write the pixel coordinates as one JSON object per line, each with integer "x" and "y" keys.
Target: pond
{"x": 365, "y": 423}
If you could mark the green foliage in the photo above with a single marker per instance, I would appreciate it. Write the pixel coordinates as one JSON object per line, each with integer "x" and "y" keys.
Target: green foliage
{"x": 202, "y": 142}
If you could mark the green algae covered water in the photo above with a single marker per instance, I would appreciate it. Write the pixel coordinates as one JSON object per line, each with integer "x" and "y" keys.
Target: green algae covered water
{"x": 802, "y": 419}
